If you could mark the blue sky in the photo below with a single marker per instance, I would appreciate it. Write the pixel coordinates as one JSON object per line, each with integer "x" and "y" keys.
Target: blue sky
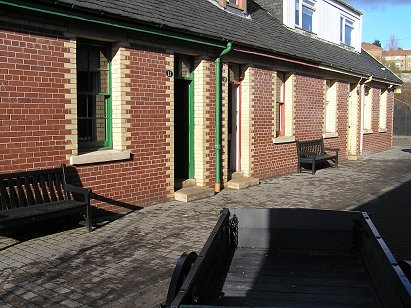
{"x": 383, "y": 18}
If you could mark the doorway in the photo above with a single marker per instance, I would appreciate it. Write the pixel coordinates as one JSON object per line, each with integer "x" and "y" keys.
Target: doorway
{"x": 352, "y": 121}
{"x": 234, "y": 100}
{"x": 183, "y": 118}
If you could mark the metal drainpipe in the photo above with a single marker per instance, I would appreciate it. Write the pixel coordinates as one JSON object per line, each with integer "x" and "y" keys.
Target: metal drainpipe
{"x": 217, "y": 186}
{"x": 115, "y": 25}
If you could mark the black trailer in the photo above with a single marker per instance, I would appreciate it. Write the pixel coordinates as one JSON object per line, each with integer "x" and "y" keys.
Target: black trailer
{"x": 291, "y": 258}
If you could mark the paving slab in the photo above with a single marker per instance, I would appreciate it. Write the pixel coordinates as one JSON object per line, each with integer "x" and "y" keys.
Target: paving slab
{"x": 128, "y": 262}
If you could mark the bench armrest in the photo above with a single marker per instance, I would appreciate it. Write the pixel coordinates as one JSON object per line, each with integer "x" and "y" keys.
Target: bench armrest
{"x": 332, "y": 149}
{"x": 79, "y": 190}
{"x": 310, "y": 154}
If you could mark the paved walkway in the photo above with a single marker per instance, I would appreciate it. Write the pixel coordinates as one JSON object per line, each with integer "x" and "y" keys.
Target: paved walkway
{"x": 128, "y": 262}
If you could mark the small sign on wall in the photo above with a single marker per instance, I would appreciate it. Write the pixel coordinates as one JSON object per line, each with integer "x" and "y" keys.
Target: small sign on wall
{"x": 169, "y": 73}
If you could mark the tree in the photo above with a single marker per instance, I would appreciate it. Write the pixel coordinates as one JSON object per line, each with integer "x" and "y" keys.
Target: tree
{"x": 393, "y": 43}
{"x": 377, "y": 43}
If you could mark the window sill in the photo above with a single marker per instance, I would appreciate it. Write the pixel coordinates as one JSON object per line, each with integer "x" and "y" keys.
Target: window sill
{"x": 284, "y": 139}
{"x": 330, "y": 135}
{"x": 382, "y": 130}
{"x": 367, "y": 131}
{"x": 99, "y": 157}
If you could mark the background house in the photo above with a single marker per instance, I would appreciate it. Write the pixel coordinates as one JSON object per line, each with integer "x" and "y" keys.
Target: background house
{"x": 143, "y": 97}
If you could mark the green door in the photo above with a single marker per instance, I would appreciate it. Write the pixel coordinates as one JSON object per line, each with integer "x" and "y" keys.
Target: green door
{"x": 183, "y": 119}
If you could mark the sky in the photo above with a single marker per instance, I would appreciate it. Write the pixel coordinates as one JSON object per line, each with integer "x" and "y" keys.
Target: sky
{"x": 383, "y": 18}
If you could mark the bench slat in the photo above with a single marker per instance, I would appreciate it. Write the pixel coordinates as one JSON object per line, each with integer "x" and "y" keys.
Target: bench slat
{"x": 44, "y": 190}
{"x": 37, "y": 194}
{"x": 30, "y": 197}
{"x": 52, "y": 187}
{"x": 59, "y": 186}
{"x": 4, "y": 196}
{"x": 12, "y": 194}
{"x": 20, "y": 191}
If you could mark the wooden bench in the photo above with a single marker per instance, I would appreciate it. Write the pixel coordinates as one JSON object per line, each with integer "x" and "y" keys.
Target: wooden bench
{"x": 313, "y": 151}
{"x": 26, "y": 197}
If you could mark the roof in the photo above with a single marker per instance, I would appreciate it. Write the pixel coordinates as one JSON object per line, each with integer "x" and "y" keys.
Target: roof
{"x": 261, "y": 31}
{"x": 369, "y": 46}
{"x": 349, "y": 6}
{"x": 399, "y": 52}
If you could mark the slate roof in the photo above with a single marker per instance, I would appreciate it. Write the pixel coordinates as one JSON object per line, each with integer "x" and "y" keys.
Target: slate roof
{"x": 261, "y": 31}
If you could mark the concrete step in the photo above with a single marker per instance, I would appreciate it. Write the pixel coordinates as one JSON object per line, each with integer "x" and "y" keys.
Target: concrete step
{"x": 237, "y": 174}
{"x": 193, "y": 193}
{"x": 242, "y": 182}
{"x": 180, "y": 183}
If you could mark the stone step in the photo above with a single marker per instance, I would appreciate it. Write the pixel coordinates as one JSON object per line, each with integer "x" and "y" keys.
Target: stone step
{"x": 242, "y": 182}
{"x": 193, "y": 193}
{"x": 237, "y": 174}
{"x": 180, "y": 183}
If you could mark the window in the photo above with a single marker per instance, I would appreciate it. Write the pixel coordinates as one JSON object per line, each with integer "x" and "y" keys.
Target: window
{"x": 383, "y": 111}
{"x": 388, "y": 58}
{"x": 93, "y": 96}
{"x": 280, "y": 104}
{"x": 367, "y": 109}
{"x": 398, "y": 64}
{"x": 304, "y": 12}
{"x": 346, "y": 28}
{"x": 284, "y": 108}
{"x": 330, "y": 110}
{"x": 239, "y": 4}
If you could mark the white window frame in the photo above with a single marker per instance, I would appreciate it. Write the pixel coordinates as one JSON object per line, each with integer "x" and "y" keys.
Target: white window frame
{"x": 330, "y": 108}
{"x": 346, "y": 22}
{"x": 368, "y": 110}
{"x": 382, "y": 122}
{"x": 286, "y": 88}
{"x": 300, "y": 5}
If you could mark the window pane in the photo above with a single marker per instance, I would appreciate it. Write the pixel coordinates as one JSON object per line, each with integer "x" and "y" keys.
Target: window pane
{"x": 297, "y": 12}
{"x": 307, "y": 19}
{"x": 184, "y": 66}
{"x": 82, "y": 57}
{"x": 92, "y": 79}
{"x": 348, "y": 31}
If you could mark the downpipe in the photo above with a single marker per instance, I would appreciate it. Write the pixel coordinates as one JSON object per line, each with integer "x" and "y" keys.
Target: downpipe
{"x": 217, "y": 185}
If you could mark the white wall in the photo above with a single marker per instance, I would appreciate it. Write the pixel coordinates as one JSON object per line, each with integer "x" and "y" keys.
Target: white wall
{"x": 326, "y": 23}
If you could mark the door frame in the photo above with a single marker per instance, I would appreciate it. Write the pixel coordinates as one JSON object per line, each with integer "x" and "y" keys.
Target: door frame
{"x": 190, "y": 123}
{"x": 238, "y": 124}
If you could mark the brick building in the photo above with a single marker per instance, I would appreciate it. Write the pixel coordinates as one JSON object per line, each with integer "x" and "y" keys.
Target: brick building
{"x": 141, "y": 96}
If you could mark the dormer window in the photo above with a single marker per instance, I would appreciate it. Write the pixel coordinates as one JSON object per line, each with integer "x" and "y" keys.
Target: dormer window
{"x": 346, "y": 29}
{"x": 236, "y": 4}
{"x": 304, "y": 12}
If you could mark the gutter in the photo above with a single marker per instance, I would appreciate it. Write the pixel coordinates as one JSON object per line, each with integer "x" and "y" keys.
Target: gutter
{"x": 115, "y": 25}
{"x": 218, "y": 98}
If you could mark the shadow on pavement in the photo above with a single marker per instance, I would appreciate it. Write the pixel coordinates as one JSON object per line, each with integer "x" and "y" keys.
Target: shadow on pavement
{"x": 391, "y": 213}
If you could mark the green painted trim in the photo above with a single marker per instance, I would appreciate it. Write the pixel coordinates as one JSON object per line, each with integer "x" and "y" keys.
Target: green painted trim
{"x": 109, "y": 110}
{"x": 191, "y": 173}
{"x": 116, "y": 25}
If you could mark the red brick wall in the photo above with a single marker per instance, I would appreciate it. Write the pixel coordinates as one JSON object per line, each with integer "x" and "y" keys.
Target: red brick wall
{"x": 268, "y": 159}
{"x": 142, "y": 180}
{"x": 377, "y": 142}
{"x": 271, "y": 159}
{"x": 32, "y": 120}
{"x": 309, "y": 107}
{"x": 32, "y": 101}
